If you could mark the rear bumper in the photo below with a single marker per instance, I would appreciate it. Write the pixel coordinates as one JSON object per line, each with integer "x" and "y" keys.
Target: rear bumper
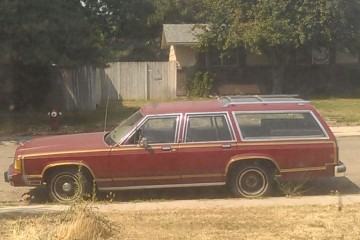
{"x": 340, "y": 169}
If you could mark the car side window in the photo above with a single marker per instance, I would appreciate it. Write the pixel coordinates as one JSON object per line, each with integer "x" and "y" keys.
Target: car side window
{"x": 276, "y": 125}
{"x": 207, "y": 128}
{"x": 156, "y": 130}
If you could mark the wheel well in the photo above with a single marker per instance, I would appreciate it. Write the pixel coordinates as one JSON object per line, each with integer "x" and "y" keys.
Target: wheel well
{"x": 266, "y": 163}
{"x": 75, "y": 167}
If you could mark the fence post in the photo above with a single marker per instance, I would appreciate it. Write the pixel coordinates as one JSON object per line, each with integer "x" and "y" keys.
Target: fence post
{"x": 146, "y": 81}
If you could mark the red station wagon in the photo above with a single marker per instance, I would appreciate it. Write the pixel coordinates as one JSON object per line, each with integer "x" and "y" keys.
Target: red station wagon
{"x": 244, "y": 142}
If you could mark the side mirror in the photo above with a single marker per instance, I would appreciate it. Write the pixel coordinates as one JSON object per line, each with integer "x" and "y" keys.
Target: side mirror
{"x": 143, "y": 142}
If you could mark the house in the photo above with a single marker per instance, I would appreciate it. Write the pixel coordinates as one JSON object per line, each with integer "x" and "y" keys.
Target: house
{"x": 244, "y": 72}
{"x": 180, "y": 40}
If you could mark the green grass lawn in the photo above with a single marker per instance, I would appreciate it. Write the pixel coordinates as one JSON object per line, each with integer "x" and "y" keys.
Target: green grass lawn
{"x": 38, "y": 123}
{"x": 336, "y": 111}
{"x": 339, "y": 111}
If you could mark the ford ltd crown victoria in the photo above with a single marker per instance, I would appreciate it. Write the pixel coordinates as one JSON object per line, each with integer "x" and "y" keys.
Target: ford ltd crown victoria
{"x": 243, "y": 142}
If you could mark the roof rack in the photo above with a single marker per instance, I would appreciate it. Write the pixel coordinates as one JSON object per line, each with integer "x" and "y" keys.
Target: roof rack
{"x": 260, "y": 99}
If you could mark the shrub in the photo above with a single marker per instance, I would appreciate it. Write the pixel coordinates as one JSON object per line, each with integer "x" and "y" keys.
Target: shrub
{"x": 201, "y": 84}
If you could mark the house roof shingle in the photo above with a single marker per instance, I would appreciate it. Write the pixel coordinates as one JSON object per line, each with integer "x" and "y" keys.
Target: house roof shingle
{"x": 179, "y": 34}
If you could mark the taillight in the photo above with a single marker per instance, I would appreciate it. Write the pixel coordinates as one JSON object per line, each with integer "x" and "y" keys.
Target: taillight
{"x": 337, "y": 152}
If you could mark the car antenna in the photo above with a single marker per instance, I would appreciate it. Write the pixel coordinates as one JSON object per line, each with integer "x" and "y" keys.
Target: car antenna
{"x": 106, "y": 109}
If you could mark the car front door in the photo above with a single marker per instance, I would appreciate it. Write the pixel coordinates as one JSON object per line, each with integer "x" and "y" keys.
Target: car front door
{"x": 149, "y": 156}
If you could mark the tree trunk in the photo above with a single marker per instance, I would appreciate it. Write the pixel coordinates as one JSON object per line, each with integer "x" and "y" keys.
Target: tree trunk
{"x": 277, "y": 73}
{"x": 280, "y": 59}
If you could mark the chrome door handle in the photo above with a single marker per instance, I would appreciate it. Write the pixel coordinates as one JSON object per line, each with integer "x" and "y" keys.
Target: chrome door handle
{"x": 166, "y": 148}
{"x": 226, "y": 146}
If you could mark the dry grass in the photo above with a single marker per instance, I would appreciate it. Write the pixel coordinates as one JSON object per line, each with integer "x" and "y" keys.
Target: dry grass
{"x": 83, "y": 223}
{"x": 80, "y": 222}
{"x": 300, "y": 222}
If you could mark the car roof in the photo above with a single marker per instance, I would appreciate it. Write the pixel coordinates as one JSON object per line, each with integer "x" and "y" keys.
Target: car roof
{"x": 181, "y": 107}
{"x": 233, "y": 103}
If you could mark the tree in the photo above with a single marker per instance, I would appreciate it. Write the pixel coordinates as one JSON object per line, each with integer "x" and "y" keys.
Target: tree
{"x": 133, "y": 28}
{"x": 58, "y": 32}
{"x": 277, "y": 28}
{"x": 36, "y": 35}
{"x": 178, "y": 11}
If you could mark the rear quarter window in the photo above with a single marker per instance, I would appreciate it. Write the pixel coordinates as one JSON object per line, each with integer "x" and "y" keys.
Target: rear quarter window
{"x": 278, "y": 125}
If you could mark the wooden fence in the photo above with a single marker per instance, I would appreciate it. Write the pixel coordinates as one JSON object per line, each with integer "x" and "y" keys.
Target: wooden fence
{"x": 87, "y": 87}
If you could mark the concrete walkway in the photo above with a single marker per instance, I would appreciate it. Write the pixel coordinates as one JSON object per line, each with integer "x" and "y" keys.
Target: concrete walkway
{"x": 336, "y": 201}
{"x": 346, "y": 131}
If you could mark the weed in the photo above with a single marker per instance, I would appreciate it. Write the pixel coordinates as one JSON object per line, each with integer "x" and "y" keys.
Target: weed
{"x": 292, "y": 188}
{"x": 110, "y": 197}
{"x": 94, "y": 192}
{"x": 82, "y": 222}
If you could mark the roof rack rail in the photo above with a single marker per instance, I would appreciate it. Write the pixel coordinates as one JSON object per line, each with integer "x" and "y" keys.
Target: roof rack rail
{"x": 261, "y": 99}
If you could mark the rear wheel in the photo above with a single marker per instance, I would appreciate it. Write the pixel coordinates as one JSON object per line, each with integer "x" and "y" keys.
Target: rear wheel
{"x": 67, "y": 185}
{"x": 250, "y": 181}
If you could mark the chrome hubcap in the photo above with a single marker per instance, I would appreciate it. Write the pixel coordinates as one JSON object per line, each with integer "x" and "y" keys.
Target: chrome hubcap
{"x": 66, "y": 187}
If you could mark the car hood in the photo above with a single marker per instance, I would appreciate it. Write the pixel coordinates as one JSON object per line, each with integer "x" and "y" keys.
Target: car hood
{"x": 63, "y": 143}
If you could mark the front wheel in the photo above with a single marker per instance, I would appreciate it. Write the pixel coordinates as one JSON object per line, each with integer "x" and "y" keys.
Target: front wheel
{"x": 67, "y": 186}
{"x": 250, "y": 181}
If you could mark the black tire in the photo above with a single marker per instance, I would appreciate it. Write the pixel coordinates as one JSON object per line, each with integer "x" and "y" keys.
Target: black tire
{"x": 67, "y": 186}
{"x": 250, "y": 181}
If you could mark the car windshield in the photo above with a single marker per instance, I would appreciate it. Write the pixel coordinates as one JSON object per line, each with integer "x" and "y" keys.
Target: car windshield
{"x": 124, "y": 127}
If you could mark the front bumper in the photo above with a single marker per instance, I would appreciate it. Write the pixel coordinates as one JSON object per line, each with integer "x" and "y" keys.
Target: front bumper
{"x": 340, "y": 169}
{"x": 13, "y": 177}
{"x": 6, "y": 176}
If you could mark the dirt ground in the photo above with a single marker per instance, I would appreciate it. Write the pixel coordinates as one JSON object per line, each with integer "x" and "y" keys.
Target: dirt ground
{"x": 7, "y": 192}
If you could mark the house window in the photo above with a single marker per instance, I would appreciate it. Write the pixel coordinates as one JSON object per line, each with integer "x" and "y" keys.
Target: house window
{"x": 320, "y": 55}
{"x": 215, "y": 58}
{"x": 307, "y": 55}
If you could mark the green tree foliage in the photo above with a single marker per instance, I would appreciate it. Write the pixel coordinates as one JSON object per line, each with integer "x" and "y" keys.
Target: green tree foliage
{"x": 201, "y": 84}
{"x": 36, "y": 35}
{"x": 133, "y": 27}
{"x": 130, "y": 28}
{"x": 42, "y": 32}
{"x": 276, "y": 28}
{"x": 178, "y": 11}
{"x": 73, "y": 33}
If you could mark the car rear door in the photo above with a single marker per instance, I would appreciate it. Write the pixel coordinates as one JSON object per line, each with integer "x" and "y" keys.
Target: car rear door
{"x": 208, "y": 145}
